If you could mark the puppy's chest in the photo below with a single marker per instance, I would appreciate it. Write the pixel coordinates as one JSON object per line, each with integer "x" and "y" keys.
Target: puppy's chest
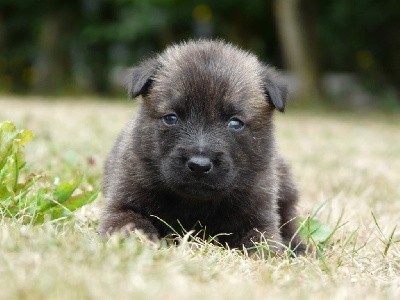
{"x": 213, "y": 219}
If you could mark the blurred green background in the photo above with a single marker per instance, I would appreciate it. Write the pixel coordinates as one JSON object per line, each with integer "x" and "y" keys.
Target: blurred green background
{"x": 336, "y": 51}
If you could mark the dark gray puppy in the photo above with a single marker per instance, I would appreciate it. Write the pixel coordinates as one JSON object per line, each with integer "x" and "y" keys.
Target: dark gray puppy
{"x": 201, "y": 150}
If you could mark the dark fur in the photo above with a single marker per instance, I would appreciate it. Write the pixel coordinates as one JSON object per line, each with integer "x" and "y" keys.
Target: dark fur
{"x": 247, "y": 193}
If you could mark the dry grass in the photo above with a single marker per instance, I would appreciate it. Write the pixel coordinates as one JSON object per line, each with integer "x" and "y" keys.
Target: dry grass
{"x": 352, "y": 161}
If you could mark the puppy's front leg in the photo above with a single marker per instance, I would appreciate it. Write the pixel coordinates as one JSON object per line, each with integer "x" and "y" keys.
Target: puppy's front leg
{"x": 125, "y": 220}
{"x": 263, "y": 235}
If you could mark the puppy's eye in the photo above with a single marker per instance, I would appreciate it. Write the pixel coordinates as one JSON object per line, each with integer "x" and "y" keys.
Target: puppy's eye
{"x": 170, "y": 119}
{"x": 235, "y": 124}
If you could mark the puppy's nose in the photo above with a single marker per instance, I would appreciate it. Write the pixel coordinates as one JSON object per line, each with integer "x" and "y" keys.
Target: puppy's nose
{"x": 199, "y": 164}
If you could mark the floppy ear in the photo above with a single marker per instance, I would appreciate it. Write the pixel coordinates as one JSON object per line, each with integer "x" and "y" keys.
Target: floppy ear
{"x": 140, "y": 77}
{"x": 275, "y": 88}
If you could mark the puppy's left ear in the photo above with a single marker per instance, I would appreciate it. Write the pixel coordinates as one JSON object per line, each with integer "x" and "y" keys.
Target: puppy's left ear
{"x": 140, "y": 78}
{"x": 275, "y": 88}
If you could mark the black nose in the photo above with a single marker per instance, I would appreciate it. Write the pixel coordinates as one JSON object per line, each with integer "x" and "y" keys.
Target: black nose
{"x": 199, "y": 164}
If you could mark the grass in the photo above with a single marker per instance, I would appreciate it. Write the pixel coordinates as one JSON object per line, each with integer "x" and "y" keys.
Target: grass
{"x": 347, "y": 166}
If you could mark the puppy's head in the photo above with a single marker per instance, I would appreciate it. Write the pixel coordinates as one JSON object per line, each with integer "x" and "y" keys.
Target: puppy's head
{"x": 206, "y": 114}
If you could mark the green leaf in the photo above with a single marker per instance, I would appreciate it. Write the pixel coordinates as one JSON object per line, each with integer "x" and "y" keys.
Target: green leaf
{"x": 65, "y": 189}
{"x": 8, "y": 177}
{"x": 72, "y": 204}
{"x": 25, "y": 136}
{"x": 11, "y": 141}
{"x": 315, "y": 230}
{"x": 80, "y": 200}
{"x": 7, "y": 135}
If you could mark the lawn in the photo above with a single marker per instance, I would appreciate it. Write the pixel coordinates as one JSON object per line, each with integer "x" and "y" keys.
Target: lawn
{"x": 346, "y": 165}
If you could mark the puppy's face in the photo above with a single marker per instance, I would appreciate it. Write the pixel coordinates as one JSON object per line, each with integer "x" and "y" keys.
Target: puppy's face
{"x": 207, "y": 107}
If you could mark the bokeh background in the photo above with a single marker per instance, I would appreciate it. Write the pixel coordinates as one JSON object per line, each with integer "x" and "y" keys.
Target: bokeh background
{"x": 338, "y": 52}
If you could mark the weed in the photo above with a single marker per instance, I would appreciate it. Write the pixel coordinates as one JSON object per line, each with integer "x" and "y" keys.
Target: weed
{"x": 34, "y": 198}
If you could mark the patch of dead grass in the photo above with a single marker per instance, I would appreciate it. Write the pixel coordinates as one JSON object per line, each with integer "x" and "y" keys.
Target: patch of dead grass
{"x": 352, "y": 161}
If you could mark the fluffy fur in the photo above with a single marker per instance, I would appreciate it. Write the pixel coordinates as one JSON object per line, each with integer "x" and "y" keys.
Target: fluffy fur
{"x": 246, "y": 190}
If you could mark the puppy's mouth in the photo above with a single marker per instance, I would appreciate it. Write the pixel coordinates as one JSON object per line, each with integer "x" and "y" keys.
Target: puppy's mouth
{"x": 198, "y": 190}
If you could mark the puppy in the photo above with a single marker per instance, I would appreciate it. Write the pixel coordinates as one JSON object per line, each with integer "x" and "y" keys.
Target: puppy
{"x": 201, "y": 151}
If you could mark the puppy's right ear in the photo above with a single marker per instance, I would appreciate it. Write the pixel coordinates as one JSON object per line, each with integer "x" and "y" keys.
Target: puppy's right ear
{"x": 140, "y": 78}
